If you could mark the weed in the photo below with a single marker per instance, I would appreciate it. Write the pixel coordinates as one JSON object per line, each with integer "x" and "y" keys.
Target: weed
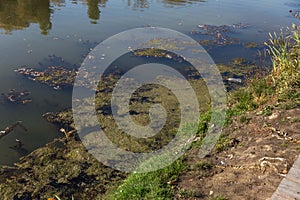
{"x": 204, "y": 165}
{"x": 284, "y": 144}
{"x": 285, "y": 53}
{"x": 294, "y": 120}
{"x": 203, "y": 123}
{"x": 186, "y": 193}
{"x": 266, "y": 111}
{"x": 223, "y": 143}
{"x": 282, "y": 84}
{"x": 243, "y": 119}
{"x": 244, "y": 100}
{"x": 218, "y": 197}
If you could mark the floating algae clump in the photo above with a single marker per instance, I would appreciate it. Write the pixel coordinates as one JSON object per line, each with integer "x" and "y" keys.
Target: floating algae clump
{"x": 156, "y": 53}
{"x": 55, "y": 76}
{"x": 219, "y": 35}
{"x": 63, "y": 118}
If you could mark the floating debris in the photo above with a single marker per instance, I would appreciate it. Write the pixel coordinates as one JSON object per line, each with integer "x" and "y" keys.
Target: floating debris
{"x": 240, "y": 26}
{"x": 67, "y": 133}
{"x": 235, "y": 80}
{"x": 57, "y": 77}
{"x": 218, "y": 34}
{"x": 12, "y": 127}
{"x": 19, "y": 144}
{"x": 16, "y": 97}
{"x": 296, "y": 14}
{"x": 19, "y": 148}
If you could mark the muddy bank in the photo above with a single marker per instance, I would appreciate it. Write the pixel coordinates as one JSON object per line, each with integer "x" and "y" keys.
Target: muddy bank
{"x": 252, "y": 167}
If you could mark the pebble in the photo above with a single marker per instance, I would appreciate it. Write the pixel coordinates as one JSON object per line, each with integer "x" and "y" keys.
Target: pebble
{"x": 273, "y": 116}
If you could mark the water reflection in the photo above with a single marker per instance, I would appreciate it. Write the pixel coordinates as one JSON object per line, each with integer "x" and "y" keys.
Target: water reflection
{"x": 93, "y": 8}
{"x": 19, "y": 14}
{"x": 146, "y": 3}
{"x": 93, "y": 11}
{"x": 100, "y": 3}
{"x": 181, "y": 2}
{"x": 138, "y": 4}
{"x": 58, "y": 3}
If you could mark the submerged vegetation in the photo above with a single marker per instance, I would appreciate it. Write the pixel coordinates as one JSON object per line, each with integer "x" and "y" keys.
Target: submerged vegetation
{"x": 64, "y": 169}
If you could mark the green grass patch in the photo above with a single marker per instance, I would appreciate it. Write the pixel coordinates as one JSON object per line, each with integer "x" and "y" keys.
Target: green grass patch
{"x": 152, "y": 185}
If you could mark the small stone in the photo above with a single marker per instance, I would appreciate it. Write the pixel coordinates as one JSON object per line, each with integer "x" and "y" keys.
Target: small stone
{"x": 273, "y": 116}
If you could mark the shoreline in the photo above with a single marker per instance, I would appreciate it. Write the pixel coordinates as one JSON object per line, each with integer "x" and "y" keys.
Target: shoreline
{"x": 64, "y": 168}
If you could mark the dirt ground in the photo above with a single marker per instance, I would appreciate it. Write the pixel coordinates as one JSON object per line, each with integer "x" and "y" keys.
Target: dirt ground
{"x": 262, "y": 150}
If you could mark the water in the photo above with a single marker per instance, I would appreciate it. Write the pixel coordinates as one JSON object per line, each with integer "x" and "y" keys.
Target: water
{"x": 33, "y": 30}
